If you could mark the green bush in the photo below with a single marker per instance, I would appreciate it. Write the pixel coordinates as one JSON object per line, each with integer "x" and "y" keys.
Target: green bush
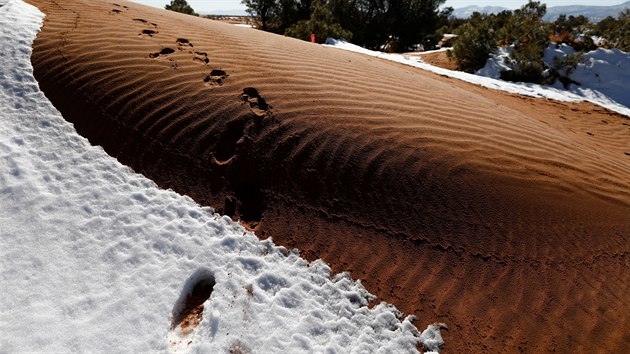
{"x": 569, "y": 63}
{"x": 524, "y": 28}
{"x": 474, "y": 44}
{"x": 409, "y": 23}
{"x": 616, "y": 31}
{"x": 180, "y": 6}
{"x": 322, "y": 24}
{"x": 264, "y": 12}
{"x": 530, "y": 36}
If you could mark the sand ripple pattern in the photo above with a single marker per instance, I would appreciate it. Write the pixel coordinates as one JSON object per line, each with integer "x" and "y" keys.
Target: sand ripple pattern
{"x": 508, "y": 218}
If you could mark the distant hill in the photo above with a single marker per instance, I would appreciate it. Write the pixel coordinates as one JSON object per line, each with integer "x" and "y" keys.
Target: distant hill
{"x": 594, "y": 13}
{"x": 466, "y": 12}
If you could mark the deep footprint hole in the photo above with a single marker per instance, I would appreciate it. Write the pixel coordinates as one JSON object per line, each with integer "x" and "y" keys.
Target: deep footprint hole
{"x": 250, "y": 92}
{"x": 226, "y": 145}
{"x": 164, "y": 51}
{"x": 251, "y": 204}
{"x": 216, "y": 77}
{"x": 183, "y": 41}
{"x": 188, "y": 310}
{"x": 217, "y": 72}
{"x": 254, "y": 99}
{"x": 167, "y": 51}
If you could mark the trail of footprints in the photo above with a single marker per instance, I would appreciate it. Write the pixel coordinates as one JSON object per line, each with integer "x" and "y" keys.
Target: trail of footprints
{"x": 216, "y": 77}
{"x": 118, "y": 9}
{"x": 237, "y": 133}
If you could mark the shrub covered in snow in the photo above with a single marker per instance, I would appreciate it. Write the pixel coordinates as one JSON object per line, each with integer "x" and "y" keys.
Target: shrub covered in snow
{"x": 529, "y": 34}
{"x": 595, "y": 74}
{"x": 525, "y": 36}
{"x": 524, "y": 28}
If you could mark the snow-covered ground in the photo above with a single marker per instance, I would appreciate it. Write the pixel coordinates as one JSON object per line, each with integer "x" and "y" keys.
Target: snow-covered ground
{"x": 602, "y": 74}
{"x": 244, "y": 25}
{"x": 96, "y": 258}
{"x": 611, "y": 89}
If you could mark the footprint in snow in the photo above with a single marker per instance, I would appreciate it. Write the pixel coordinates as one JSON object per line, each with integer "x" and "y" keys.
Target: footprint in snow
{"x": 187, "y": 312}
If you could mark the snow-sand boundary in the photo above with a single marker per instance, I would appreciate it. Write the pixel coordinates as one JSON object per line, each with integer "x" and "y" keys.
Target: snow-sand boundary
{"x": 420, "y": 159}
{"x": 95, "y": 258}
{"x": 526, "y": 89}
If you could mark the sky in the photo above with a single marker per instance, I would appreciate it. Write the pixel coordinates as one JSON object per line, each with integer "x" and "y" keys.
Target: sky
{"x": 216, "y": 6}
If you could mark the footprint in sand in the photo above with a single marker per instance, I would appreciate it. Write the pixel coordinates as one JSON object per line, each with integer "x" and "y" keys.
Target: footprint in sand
{"x": 148, "y": 32}
{"x": 201, "y": 57}
{"x": 163, "y": 52}
{"x": 117, "y": 11}
{"x": 183, "y": 42}
{"x": 229, "y": 139}
{"x": 145, "y": 22}
{"x": 215, "y": 78}
{"x": 187, "y": 312}
{"x": 257, "y": 103}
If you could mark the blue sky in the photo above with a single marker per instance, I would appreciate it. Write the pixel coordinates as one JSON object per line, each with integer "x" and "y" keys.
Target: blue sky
{"x": 206, "y": 6}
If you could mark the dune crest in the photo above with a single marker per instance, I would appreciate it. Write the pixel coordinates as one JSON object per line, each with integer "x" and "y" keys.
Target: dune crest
{"x": 507, "y": 218}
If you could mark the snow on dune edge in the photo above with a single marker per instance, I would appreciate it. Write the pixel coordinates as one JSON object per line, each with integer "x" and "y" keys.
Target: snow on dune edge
{"x": 96, "y": 258}
{"x": 527, "y": 89}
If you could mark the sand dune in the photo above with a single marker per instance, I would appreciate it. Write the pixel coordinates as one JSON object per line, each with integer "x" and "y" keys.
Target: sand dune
{"x": 506, "y": 217}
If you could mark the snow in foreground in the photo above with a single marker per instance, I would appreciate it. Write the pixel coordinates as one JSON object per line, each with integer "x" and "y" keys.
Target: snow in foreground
{"x": 96, "y": 258}
{"x": 598, "y": 90}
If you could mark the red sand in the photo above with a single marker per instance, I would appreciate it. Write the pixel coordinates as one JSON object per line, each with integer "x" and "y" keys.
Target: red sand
{"x": 506, "y": 217}
{"x": 440, "y": 59}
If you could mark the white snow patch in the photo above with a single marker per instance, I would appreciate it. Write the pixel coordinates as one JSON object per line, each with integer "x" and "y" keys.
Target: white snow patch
{"x": 601, "y": 72}
{"x": 432, "y": 339}
{"x": 96, "y": 258}
{"x": 526, "y": 89}
{"x": 429, "y": 51}
{"x": 604, "y": 75}
{"x": 497, "y": 63}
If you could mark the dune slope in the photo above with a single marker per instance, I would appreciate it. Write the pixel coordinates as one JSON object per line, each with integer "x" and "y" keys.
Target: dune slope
{"x": 507, "y": 218}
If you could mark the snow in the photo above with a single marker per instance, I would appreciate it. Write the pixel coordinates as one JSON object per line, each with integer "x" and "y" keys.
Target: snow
{"x": 497, "y": 63}
{"x": 429, "y": 51}
{"x": 615, "y": 98}
{"x": 432, "y": 339}
{"x": 601, "y": 72}
{"x": 96, "y": 258}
